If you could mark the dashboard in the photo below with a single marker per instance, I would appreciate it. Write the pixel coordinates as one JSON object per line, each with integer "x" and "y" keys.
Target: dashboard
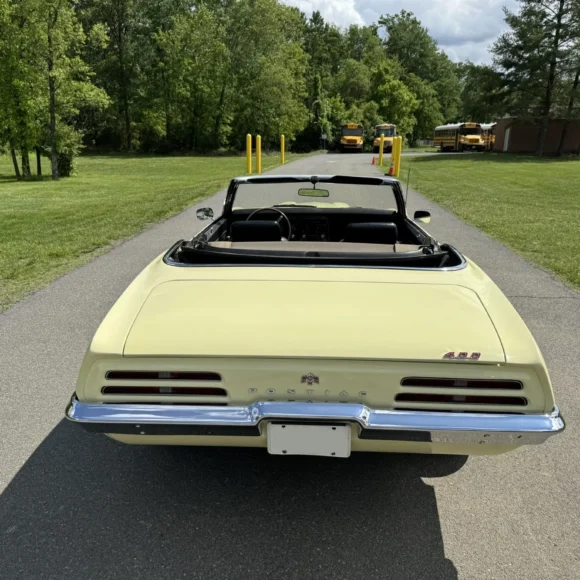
{"x": 309, "y": 228}
{"x": 320, "y": 225}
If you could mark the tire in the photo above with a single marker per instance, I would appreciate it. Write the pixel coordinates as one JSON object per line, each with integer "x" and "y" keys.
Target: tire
{"x": 376, "y": 149}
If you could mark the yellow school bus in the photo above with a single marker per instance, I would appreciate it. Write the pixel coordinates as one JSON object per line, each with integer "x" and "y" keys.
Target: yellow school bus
{"x": 458, "y": 137}
{"x": 352, "y": 137}
{"x": 389, "y": 131}
{"x": 488, "y": 135}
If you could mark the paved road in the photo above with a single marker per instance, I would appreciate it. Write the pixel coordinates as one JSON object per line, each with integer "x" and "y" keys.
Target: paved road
{"x": 77, "y": 505}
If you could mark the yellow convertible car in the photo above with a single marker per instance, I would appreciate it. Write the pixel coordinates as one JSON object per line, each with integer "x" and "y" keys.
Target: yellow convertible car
{"x": 313, "y": 317}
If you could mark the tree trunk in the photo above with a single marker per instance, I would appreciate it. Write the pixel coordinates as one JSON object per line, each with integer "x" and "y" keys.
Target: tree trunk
{"x": 52, "y": 98}
{"x": 569, "y": 111}
{"x": 547, "y": 105}
{"x": 123, "y": 82}
{"x": 38, "y": 162}
{"x": 52, "y": 123}
{"x": 220, "y": 108}
{"x": 25, "y": 163}
{"x": 15, "y": 161}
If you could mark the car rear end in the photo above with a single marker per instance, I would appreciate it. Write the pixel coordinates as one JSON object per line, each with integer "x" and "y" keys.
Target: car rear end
{"x": 385, "y": 405}
{"x": 321, "y": 362}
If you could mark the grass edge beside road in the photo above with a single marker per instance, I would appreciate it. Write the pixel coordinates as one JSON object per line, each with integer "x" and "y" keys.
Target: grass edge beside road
{"x": 49, "y": 228}
{"x": 529, "y": 204}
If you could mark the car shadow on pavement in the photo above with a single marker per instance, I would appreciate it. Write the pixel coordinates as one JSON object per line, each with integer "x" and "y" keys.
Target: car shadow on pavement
{"x": 84, "y": 506}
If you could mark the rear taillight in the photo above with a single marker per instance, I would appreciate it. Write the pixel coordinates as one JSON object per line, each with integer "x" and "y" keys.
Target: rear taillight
{"x": 460, "y": 399}
{"x": 461, "y": 383}
{"x": 162, "y": 375}
{"x": 173, "y": 391}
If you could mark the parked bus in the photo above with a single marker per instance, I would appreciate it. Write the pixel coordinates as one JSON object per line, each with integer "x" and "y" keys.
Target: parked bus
{"x": 458, "y": 137}
{"x": 352, "y": 137}
{"x": 389, "y": 131}
{"x": 488, "y": 135}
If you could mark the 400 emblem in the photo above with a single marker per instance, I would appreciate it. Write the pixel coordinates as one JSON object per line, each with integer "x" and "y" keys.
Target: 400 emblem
{"x": 463, "y": 355}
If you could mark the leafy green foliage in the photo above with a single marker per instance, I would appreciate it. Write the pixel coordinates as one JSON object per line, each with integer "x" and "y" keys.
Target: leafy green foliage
{"x": 537, "y": 56}
{"x": 410, "y": 43}
{"x": 482, "y": 94}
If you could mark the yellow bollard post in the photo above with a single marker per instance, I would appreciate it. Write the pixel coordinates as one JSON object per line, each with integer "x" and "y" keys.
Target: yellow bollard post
{"x": 248, "y": 154}
{"x": 282, "y": 148}
{"x": 258, "y": 154}
{"x": 399, "y": 153}
{"x": 394, "y": 146}
{"x": 381, "y": 149}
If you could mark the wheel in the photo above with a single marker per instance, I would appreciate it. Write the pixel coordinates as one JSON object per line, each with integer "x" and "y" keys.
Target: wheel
{"x": 376, "y": 149}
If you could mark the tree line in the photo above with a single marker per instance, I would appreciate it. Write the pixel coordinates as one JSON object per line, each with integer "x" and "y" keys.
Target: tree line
{"x": 179, "y": 75}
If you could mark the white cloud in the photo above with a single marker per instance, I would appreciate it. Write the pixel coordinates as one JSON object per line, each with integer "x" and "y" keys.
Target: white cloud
{"x": 463, "y": 28}
{"x": 343, "y": 13}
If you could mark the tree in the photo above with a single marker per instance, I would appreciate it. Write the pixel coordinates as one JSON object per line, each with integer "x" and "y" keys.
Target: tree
{"x": 193, "y": 65}
{"x": 362, "y": 43}
{"x": 123, "y": 65}
{"x": 482, "y": 95}
{"x": 353, "y": 82}
{"x": 21, "y": 89}
{"x": 573, "y": 93}
{"x": 268, "y": 94}
{"x": 68, "y": 80}
{"x": 536, "y": 54}
{"x": 396, "y": 103}
{"x": 410, "y": 43}
{"x": 428, "y": 112}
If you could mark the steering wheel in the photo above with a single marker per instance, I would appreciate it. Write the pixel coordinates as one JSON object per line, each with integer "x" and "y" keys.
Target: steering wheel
{"x": 279, "y": 221}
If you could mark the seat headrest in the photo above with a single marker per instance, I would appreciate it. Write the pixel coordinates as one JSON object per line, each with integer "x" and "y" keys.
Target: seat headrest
{"x": 371, "y": 233}
{"x": 256, "y": 231}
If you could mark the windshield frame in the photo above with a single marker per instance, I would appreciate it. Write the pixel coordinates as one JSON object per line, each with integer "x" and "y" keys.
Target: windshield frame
{"x": 311, "y": 180}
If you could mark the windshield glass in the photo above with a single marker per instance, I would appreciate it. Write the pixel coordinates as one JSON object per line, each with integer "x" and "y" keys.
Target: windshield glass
{"x": 474, "y": 131}
{"x": 386, "y": 132}
{"x": 255, "y": 195}
{"x": 352, "y": 132}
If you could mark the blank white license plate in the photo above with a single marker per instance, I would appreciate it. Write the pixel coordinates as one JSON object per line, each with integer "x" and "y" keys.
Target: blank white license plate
{"x": 322, "y": 440}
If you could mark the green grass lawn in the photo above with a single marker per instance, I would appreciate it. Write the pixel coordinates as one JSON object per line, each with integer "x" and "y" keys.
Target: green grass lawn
{"x": 420, "y": 149}
{"x": 530, "y": 204}
{"x": 47, "y": 228}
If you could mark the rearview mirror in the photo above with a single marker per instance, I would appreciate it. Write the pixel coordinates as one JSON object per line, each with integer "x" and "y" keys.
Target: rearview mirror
{"x": 422, "y": 216}
{"x": 205, "y": 213}
{"x": 314, "y": 192}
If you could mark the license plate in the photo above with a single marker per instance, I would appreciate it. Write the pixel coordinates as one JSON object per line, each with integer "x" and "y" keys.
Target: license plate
{"x": 320, "y": 440}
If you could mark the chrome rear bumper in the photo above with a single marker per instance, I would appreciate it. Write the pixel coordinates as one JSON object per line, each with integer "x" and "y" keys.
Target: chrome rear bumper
{"x": 436, "y": 427}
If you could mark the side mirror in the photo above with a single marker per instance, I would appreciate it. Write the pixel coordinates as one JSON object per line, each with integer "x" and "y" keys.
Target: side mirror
{"x": 204, "y": 213}
{"x": 422, "y": 216}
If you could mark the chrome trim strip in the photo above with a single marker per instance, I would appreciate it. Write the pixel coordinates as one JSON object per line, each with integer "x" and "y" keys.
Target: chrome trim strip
{"x": 170, "y": 262}
{"x": 443, "y": 426}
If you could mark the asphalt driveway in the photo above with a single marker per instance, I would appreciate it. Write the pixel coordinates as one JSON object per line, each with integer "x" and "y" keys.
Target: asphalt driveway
{"x": 78, "y": 505}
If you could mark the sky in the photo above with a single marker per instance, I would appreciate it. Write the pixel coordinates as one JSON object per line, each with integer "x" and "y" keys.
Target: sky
{"x": 464, "y": 29}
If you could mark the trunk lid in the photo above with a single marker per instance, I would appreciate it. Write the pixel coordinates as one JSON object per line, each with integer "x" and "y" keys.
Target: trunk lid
{"x": 312, "y": 319}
